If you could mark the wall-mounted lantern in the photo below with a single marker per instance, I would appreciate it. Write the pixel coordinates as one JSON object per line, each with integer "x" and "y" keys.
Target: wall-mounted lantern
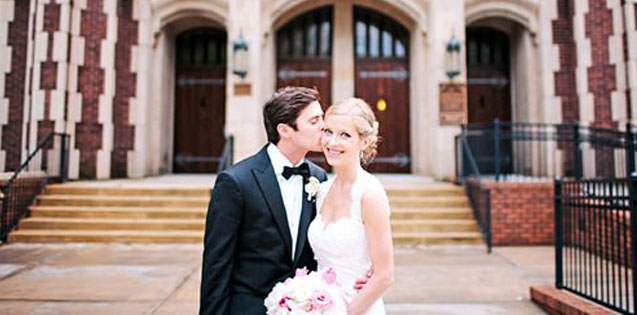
{"x": 453, "y": 57}
{"x": 241, "y": 59}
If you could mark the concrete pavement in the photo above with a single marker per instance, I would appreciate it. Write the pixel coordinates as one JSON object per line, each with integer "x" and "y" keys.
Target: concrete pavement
{"x": 164, "y": 279}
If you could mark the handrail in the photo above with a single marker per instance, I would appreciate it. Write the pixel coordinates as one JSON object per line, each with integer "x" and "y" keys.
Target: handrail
{"x": 481, "y": 211}
{"x": 16, "y": 198}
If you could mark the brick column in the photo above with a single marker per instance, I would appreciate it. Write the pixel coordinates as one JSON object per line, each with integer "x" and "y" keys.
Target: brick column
{"x": 601, "y": 75}
{"x": 565, "y": 84}
{"x": 125, "y": 88}
{"x": 14, "y": 26}
{"x": 47, "y": 104}
{"x": 90, "y": 85}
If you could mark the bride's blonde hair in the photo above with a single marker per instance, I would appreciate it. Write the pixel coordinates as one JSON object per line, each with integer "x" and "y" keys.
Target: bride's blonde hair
{"x": 364, "y": 120}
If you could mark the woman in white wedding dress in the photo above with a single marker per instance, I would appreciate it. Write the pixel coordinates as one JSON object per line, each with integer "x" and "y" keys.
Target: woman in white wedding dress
{"x": 351, "y": 232}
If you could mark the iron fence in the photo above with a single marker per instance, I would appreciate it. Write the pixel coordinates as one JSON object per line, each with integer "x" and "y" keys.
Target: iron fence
{"x": 47, "y": 163}
{"x": 595, "y": 230}
{"x": 541, "y": 151}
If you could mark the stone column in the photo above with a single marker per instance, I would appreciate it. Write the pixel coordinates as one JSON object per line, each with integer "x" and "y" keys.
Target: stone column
{"x": 244, "y": 110}
{"x": 342, "y": 53}
{"x": 443, "y": 22}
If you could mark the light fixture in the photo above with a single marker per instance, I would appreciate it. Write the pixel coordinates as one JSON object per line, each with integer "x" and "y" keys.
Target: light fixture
{"x": 241, "y": 59}
{"x": 453, "y": 57}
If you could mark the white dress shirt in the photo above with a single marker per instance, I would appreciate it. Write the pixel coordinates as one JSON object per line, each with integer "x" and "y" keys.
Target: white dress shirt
{"x": 291, "y": 191}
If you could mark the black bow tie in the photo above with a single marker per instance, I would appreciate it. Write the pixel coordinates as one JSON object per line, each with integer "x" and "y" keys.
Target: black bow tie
{"x": 303, "y": 170}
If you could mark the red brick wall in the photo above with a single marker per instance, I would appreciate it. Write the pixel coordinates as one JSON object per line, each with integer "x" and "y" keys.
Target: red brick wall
{"x": 564, "y": 78}
{"x": 521, "y": 213}
{"x": 601, "y": 76}
{"x": 125, "y": 84}
{"x": 15, "y": 82}
{"x": 88, "y": 132}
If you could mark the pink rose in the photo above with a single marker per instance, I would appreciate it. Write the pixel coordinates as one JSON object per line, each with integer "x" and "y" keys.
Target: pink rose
{"x": 283, "y": 303}
{"x": 301, "y": 272}
{"x": 321, "y": 300}
{"x": 329, "y": 276}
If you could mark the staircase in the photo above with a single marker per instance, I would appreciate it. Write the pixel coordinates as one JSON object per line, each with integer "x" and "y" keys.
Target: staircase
{"x": 432, "y": 214}
{"x": 69, "y": 213}
{"x": 424, "y": 214}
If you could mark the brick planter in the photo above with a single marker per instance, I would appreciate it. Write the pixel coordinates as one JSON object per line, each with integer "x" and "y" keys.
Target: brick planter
{"x": 521, "y": 213}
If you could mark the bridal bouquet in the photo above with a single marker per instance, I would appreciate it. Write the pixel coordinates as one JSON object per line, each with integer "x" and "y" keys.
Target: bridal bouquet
{"x": 313, "y": 293}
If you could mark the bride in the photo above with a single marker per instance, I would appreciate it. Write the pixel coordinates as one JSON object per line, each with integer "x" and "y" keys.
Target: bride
{"x": 351, "y": 232}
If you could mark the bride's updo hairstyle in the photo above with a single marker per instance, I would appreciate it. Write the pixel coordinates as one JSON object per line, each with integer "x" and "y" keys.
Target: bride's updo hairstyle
{"x": 364, "y": 120}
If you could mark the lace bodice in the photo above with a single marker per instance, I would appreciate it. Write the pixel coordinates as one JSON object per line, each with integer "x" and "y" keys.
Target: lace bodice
{"x": 342, "y": 244}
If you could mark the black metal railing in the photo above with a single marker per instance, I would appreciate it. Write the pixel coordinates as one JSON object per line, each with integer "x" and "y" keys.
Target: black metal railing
{"x": 541, "y": 151}
{"x": 227, "y": 155}
{"x": 47, "y": 163}
{"x": 595, "y": 229}
{"x": 479, "y": 196}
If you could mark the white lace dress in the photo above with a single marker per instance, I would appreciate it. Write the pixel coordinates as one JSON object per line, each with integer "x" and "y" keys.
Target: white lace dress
{"x": 342, "y": 244}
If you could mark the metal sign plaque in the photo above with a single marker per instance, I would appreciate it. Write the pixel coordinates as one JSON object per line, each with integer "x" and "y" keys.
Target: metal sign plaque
{"x": 453, "y": 104}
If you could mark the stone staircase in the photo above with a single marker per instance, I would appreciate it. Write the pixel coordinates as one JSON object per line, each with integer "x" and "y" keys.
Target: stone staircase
{"x": 421, "y": 214}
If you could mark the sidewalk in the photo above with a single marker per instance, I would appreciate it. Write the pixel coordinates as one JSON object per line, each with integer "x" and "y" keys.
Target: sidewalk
{"x": 164, "y": 279}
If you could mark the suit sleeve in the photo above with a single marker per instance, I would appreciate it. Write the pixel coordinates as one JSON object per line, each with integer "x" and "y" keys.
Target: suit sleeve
{"x": 223, "y": 222}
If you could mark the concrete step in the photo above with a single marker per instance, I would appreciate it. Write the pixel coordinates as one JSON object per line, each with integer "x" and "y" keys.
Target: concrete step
{"x": 59, "y": 236}
{"x": 437, "y": 238}
{"x": 118, "y": 212}
{"x": 62, "y": 189}
{"x": 424, "y": 192}
{"x": 170, "y": 224}
{"x": 144, "y": 236}
{"x": 121, "y": 201}
{"x": 433, "y": 201}
{"x": 405, "y": 213}
{"x": 435, "y": 225}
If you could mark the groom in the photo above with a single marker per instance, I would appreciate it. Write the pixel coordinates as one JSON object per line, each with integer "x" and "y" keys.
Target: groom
{"x": 259, "y": 212}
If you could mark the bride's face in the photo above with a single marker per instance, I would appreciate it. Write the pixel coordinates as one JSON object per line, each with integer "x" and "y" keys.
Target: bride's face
{"x": 341, "y": 142}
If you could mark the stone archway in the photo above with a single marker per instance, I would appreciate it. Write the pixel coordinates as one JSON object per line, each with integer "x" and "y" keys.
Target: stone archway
{"x": 518, "y": 21}
{"x": 171, "y": 18}
{"x": 504, "y": 84}
{"x": 408, "y": 13}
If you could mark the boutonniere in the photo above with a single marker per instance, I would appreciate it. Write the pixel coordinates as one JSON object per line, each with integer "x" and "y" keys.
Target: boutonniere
{"x": 312, "y": 188}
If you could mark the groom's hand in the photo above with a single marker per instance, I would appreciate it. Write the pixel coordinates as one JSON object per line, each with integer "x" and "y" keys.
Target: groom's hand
{"x": 360, "y": 283}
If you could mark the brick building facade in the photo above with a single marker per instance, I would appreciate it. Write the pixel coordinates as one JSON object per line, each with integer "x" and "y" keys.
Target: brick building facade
{"x": 108, "y": 72}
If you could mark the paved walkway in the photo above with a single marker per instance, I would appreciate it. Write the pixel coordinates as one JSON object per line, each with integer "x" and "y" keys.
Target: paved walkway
{"x": 164, "y": 279}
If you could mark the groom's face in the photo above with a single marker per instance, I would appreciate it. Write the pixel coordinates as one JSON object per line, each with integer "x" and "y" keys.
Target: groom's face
{"x": 309, "y": 124}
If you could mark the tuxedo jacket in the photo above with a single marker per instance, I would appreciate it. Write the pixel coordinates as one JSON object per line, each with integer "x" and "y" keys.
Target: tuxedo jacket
{"x": 247, "y": 243}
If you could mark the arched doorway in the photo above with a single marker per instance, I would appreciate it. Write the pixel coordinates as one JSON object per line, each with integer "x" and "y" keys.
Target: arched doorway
{"x": 488, "y": 75}
{"x": 381, "y": 47}
{"x": 200, "y": 99}
{"x": 304, "y": 56}
{"x": 489, "y": 92}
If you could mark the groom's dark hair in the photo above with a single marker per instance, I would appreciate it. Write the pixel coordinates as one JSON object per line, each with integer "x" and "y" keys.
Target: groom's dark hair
{"x": 284, "y": 107}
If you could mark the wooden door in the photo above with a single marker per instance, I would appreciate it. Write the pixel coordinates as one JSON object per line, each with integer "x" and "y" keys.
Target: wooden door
{"x": 382, "y": 79}
{"x": 304, "y": 57}
{"x": 199, "y": 101}
{"x": 489, "y": 92}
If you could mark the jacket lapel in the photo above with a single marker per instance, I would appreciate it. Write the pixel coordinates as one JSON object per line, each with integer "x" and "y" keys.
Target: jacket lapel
{"x": 269, "y": 187}
{"x": 307, "y": 213}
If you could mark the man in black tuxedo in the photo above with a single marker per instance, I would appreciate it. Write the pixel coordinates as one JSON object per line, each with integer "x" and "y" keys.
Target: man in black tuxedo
{"x": 259, "y": 212}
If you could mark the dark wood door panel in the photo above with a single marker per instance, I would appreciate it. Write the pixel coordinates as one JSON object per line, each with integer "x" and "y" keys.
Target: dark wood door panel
{"x": 387, "y": 80}
{"x": 199, "y": 119}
